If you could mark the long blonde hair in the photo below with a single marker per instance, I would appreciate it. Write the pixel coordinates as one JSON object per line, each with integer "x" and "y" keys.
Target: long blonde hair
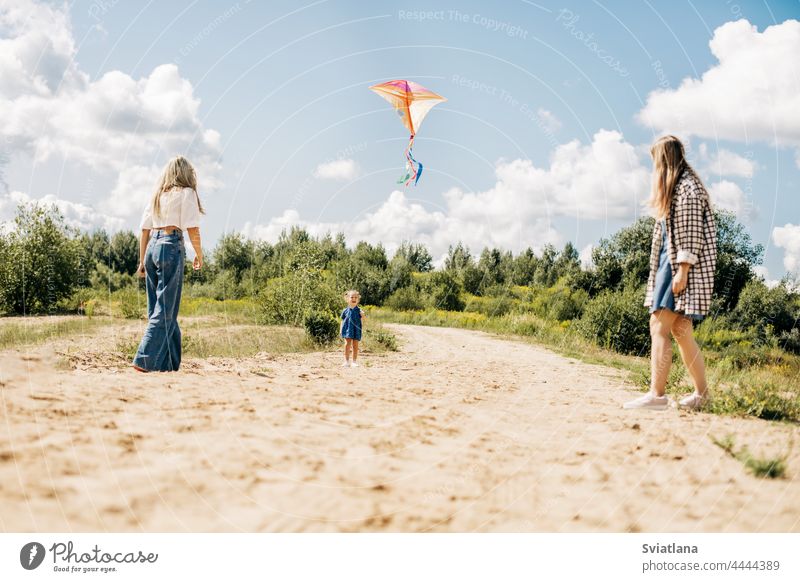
{"x": 178, "y": 173}
{"x": 669, "y": 160}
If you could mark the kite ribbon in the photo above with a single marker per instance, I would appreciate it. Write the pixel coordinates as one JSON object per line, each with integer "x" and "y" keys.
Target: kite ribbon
{"x": 413, "y": 167}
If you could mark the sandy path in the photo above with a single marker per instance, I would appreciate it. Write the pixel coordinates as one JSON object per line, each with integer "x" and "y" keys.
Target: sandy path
{"x": 459, "y": 431}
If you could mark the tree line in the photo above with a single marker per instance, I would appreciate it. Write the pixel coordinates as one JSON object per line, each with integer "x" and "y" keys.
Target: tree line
{"x": 44, "y": 263}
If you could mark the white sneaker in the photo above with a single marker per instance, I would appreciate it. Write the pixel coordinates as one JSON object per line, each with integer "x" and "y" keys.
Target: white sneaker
{"x": 354, "y": 365}
{"x": 346, "y": 364}
{"x": 648, "y": 401}
{"x": 693, "y": 401}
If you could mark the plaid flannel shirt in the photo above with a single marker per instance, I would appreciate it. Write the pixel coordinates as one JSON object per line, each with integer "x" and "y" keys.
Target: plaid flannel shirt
{"x": 691, "y": 238}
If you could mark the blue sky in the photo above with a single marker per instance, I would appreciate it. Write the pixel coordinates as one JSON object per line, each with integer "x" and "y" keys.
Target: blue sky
{"x": 543, "y": 138}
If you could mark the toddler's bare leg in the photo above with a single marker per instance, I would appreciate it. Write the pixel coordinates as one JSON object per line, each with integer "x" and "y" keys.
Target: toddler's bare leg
{"x": 355, "y": 350}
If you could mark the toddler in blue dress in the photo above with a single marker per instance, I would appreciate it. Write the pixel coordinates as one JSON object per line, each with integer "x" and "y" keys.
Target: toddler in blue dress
{"x": 352, "y": 326}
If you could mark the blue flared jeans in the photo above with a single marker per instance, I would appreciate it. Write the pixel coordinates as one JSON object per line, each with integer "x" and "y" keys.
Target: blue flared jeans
{"x": 160, "y": 350}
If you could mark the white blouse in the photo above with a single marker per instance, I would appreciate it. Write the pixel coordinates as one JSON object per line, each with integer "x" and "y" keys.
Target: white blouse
{"x": 178, "y": 208}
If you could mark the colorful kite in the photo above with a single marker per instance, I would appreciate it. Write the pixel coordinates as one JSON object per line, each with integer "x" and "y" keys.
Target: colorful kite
{"x": 412, "y": 103}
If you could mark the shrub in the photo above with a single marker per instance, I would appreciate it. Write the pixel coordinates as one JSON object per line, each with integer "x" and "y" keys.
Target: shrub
{"x": 372, "y": 282}
{"x": 322, "y": 328}
{"x": 761, "y": 307}
{"x": 715, "y": 333}
{"x": 130, "y": 303}
{"x": 384, "y": 337}
{"x": 790, "y": 340}
{"x": 287, "y": 300}
{"x": 559, "y": 302}
{"x": 83, "y": 301}
{"x": 105, "y": 278}
{"x": 406, "y": 299}
{"x": 222, "y": 287}
{"x": 491, "y": 306}
{"x": 445, "y": 292}
{"x": 617, "y": 320}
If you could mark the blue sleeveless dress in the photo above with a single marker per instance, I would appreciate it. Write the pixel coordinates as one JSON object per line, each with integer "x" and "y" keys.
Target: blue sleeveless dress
{"x": 663, "y": 297}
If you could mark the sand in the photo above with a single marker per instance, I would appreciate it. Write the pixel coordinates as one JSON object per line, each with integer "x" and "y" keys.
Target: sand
{"x": 458, "y": 431}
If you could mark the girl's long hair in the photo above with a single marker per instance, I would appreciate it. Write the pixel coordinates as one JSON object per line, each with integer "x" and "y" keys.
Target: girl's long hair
{"x": 178, "y": 173}
{"x": 669, "y": 160}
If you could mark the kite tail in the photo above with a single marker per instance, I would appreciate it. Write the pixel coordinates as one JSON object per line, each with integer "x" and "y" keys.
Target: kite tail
{"x": 413, "y": 167}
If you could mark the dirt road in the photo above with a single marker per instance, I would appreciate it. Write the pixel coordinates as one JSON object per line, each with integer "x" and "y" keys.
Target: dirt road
{"x": 458, "y": 431}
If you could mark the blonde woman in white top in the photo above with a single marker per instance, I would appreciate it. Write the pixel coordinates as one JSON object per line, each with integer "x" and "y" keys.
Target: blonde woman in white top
{"x": 174, "y": 208}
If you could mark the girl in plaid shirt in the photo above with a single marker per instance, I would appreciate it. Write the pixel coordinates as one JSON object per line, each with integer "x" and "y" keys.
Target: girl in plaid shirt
{"x": 683, "y": 256}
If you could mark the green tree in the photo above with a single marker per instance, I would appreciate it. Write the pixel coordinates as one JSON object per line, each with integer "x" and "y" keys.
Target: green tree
{"x": 623, "y": 257}
{"x": 97, "y": 247}
{"x": 40, "y": 262}
{"x": 568, "y": 262}
{"x": 124, "y": 252}
{"x": 234, "y": 253}
{"x": 545, "y": 270}
{"x": 736, "y": 257}
{"x": 458, "y": 258}
{"x": 524, "y": 269}
{"x": 373, "y": 256}
{"x": 417, "y": 256}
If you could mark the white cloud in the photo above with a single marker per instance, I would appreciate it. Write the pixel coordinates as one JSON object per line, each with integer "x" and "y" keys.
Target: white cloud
{"x": 76, "y": 214}
{"x": 751, "y": 94}
{"x": 586, "y": 256}
{"x": 726, "y": 163}
{"x": 787, "y": 237}
{"x": 550, "y": 123}
{"x": 727, "y": 195}
{"x": 134, "y": 187}
{"x": 36, "y": 50}
{"x": 337, "y": 170}
{"x": 399, "y": 219}
{"x": 762, "y": 272}
{"x": 604, "y": 178}
{"x": 114, "y": 124}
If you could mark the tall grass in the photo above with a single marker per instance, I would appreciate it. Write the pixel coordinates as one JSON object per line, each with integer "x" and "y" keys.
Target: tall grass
{"x": 22, "y": 331}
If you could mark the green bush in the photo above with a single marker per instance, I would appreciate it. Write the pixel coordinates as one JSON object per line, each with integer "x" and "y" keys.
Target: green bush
{"x": 762, "y": 308}
{"x": 617, "y": 320}
{"x": 287, "y": 300}
{"x": 384, "y": 337}
{"x": 322, "y": 328}
{"x": 83, "y": 301}
{"x": 790, "y": 340}
{"x": 374, "y": 283}
{"x": 130, "y": 302}
{"x": 492, "y": 306}
{"x": 559, "y": 302}
{"x": 406, "y": 299}
{"x": 444, "y": 292}
{"x": 105, "y": 278}
{"x": 716, "y": 333}
{"x": 222, "y": 287}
